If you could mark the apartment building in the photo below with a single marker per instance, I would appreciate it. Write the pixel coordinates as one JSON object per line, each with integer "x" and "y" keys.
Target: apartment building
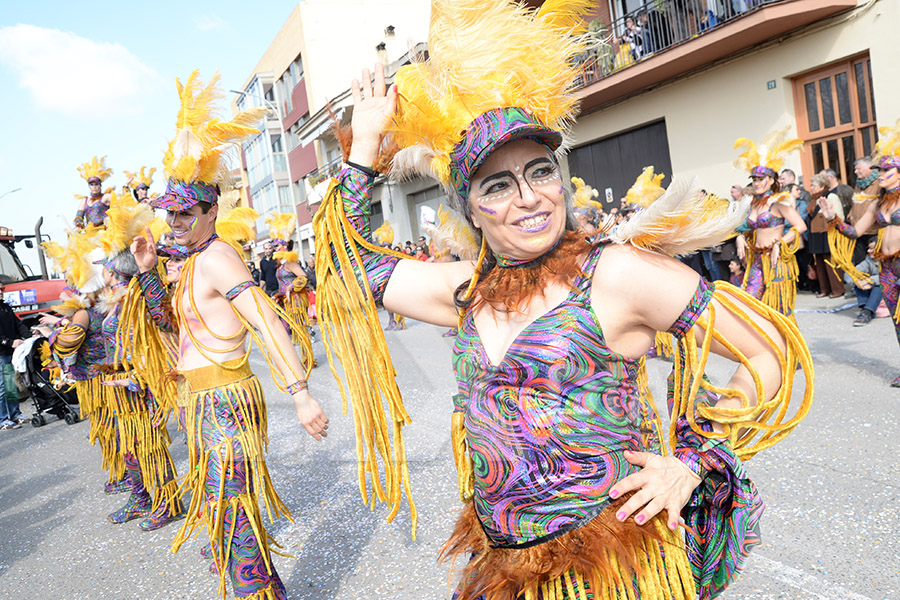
{"x": 711, "y": 71}
{"x": 307, "y": 68}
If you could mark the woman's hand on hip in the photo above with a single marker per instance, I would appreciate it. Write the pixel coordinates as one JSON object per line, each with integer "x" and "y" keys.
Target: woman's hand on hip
{"x": 663, "y": 483}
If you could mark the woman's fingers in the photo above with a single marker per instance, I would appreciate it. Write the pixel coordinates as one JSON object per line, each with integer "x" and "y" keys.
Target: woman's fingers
{"x": 355, "y": 90}
{"x": 366, "y": 83}
{"x": 379, "y": 80}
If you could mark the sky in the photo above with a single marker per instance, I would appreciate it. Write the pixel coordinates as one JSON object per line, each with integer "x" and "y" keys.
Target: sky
{"x": 79, "y": 79}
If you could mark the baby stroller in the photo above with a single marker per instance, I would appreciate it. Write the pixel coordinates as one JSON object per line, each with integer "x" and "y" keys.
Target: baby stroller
{"x": 46, "y": 398}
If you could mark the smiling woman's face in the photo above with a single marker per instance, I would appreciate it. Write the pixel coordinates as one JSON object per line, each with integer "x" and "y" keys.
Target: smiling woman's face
{"x": 516, "y": 200}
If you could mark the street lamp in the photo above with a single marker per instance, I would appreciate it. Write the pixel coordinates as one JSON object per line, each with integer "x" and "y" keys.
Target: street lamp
{"x": 10, "y": 192}
{"x": 272, "y": 107}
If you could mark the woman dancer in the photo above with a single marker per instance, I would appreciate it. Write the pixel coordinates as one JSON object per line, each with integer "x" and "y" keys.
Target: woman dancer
{"x": 885, "y": 212}
{"x": 768, "y": 249}
{"x": 566, "y": 486}
{"x": 92, "y": 209}
{"x": 292, "y": 281}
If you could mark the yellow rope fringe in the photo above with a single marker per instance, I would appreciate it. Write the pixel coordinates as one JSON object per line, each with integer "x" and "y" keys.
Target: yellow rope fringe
{"x": 663, "y": 344}
{"x": 649, "y": 406}
{"x": 842, "y": 249}
{"x": 246, "y": 401}
{"x": 352, "y": 333}
{"x": 93, "y": 404}
{"x": 780, "y": 281}
{"x": 663, "y": 572}
{"x": 765, "y": 421}
{"x": 465, "y": 469}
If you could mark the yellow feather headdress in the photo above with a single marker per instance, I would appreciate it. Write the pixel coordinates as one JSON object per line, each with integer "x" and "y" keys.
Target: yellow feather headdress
{"x": 236, "y": 225}
{"x": 647, "y": 188}
{"x": 888, "y": 146}
{"x": 195, "y": 160}
{"x": 384, "y": 235}
{"x": 140, "y": 178}
{"x": 584, "y": 196}
{"x": 485, "y": 55}
{"x": 281, "y": 226}
{"x": 95, "y": 168}
{"x": 770, "y": 154}
{"x": 76, "y": 258}
{"x": 125, "y": 220}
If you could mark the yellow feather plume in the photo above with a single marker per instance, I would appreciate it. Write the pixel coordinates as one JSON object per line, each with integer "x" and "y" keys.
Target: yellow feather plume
{"x": 485, "y": 54}
{"x": 384, "y": 235}
{"x": 237, "y": 227}
{"x": 71, "y": 304}
{"x": 889, "y": 140}
{"x": 771, "y": 152}
{"x": 584, "y": 196}
{"x": 196, "y": 151}
{"x": 95, "y": 168}
{"x": 281, "y": 225}
{"x": 647, "y": 188}
{"x": 287, "y": 256}
{"x": 125, "y": 220}
{"x": 74, "y": 260}
{"x": 159, "y": 227}
{"x": 135, "y": 179}
{"x": 453, "y": 234}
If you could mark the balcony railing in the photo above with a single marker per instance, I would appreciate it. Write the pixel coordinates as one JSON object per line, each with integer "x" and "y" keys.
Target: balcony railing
{"x": 658, "y": 26}
{"x": 323, "y": 173}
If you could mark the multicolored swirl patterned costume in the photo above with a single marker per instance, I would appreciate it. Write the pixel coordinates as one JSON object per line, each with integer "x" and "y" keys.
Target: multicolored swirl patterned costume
{"x": 227, "y": 437}
{"x": 546, "y": 429}
{"x": 93, "y": 214}
{"x": 295, "y": 302}
{"x": 775, "y": 286}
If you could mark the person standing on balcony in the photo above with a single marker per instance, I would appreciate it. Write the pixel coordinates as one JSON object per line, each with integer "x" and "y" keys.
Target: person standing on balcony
{"x": 885, "y": 212}
{"x": 566, "y": 492}
{"x": 773, "y": 223}
{"x": 215, "y": 307}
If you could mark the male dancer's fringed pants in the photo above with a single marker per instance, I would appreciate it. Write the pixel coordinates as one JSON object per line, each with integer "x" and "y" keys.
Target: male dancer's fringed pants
{"x": 92, "y": 402}
{"x": 143, "y": 447}
{"x": 226, "y": 429}
{"x": 890, "y": 287}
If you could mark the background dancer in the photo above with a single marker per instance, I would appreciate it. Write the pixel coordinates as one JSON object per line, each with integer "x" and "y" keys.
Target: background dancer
{"x": 92, "y": 209}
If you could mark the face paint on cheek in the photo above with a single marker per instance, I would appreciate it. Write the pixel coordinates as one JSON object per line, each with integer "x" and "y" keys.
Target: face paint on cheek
{"x": 491, "y": 214}
{"x": 192, "y": 222}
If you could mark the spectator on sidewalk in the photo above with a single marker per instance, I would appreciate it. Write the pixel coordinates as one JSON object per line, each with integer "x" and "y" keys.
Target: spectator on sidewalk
{"x": 868, "y": 294}
{"x": 267, "y": 268}
{"x": 12, "y": 332}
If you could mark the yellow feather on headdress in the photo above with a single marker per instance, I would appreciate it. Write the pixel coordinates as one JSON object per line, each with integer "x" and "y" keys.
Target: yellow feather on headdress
{"x": 196, "y": 151}
{"x": 771, "y": 152}
{"x": 71, "y": 304}
{"x": 135, "y": 179}
{"x": 584, "y": 196}
{"x": 159, "y": 227}
{"x": 453, "y": 234}
{"x": 237, "y": 226}
{"x": 74, "y": 259}
{"x": 281, "y": 225}
{"x": 384, "y": 235}
{"x": 889, "y": 141}
{"x": 647, "y": 188}
{"x": 485, "y": 54}
{"x": 125, "y": 220}
{"x": 95, "y": 168}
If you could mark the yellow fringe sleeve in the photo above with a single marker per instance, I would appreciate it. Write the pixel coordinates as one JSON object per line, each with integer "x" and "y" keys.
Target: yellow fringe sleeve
{"x": 842, "y": 248}
{"x": 143, "y": 347}
{"x": 352, "y": 332}
{"x": 758, "y": 423}
{"x": 465, "y": 469}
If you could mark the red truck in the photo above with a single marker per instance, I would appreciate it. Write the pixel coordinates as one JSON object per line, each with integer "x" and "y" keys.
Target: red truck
{"x": 26, "y": 293}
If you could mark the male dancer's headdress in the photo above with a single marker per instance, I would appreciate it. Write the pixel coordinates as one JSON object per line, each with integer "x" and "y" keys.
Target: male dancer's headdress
{"x": 194, "y": 161}
{"x": 281, "y": 227}
{"x": 888, "y": 146}
{"x": 76, "y": 259}
{"x": 126, "y": 219}
{"x": 140, "y": 180}
{"x": 95, "y": 171}
{"x": 767, "y": 158}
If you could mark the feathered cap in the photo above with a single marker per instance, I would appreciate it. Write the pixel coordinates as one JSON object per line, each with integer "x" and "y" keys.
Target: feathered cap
{"x": 888, "y": 146}
{"x": 496, "y": 71}
{"x": 766, "y": 159}
{"x": 584, "y": 197}
{"x": 384, "y": 235}
{"x": 140, "y": 180}
{"x": 95, "y": 171}
{"x": 125, "y": 220}
{"x": 281, "y": 227}
{"x": 194, "y": 161}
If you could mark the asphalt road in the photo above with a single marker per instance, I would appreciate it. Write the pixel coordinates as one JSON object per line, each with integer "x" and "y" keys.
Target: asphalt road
{"x": 831, "y": 488}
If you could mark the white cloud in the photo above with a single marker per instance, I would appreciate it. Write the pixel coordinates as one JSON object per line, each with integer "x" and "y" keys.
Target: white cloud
{"x": 206, "y": 23}
{"x": 75, "y": 76}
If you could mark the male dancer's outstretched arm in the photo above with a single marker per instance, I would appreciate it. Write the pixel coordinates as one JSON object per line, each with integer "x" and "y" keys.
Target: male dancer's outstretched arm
{"x": 224, "y": 270}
